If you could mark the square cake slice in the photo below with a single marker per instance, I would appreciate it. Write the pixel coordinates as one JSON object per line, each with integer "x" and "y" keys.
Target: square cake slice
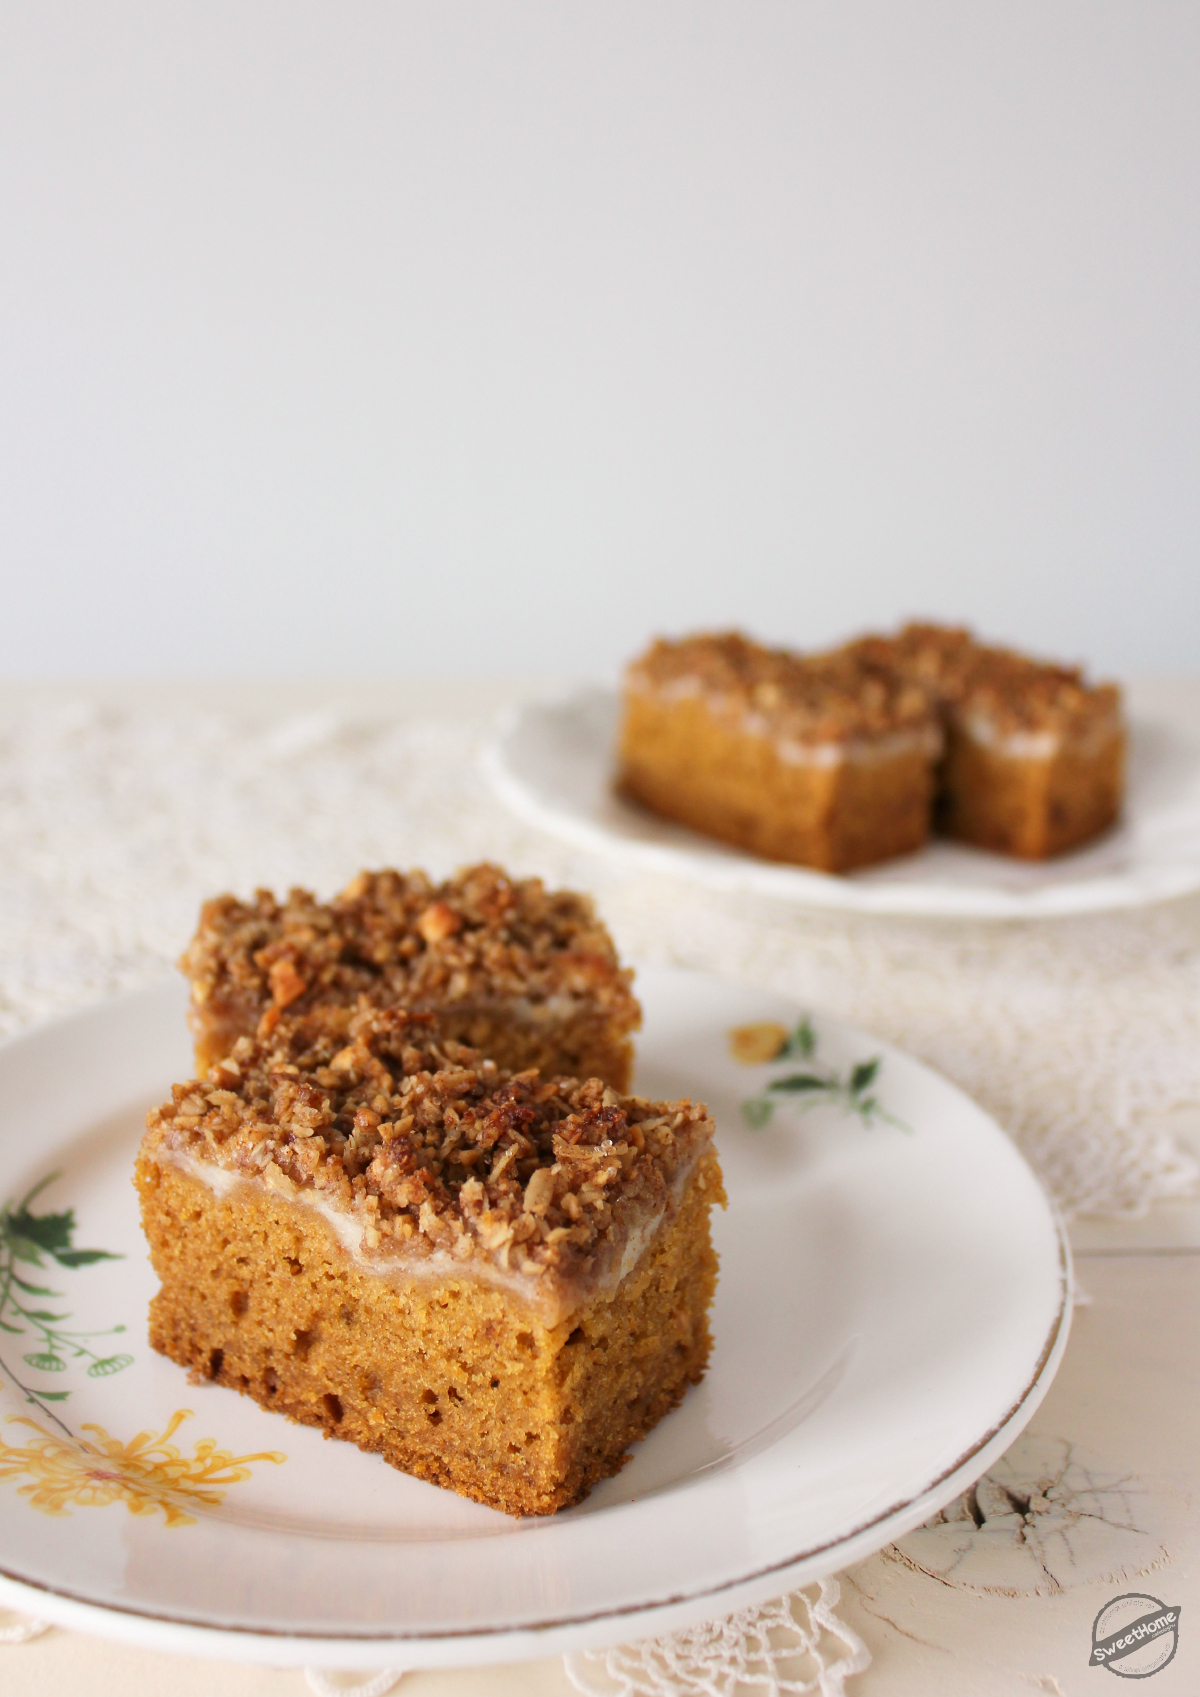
{"x": 526, "y": 975}
{"x": 1035, "y": 755}
{"x": 496, "y": 1281}
{"x": 824, "y": 761}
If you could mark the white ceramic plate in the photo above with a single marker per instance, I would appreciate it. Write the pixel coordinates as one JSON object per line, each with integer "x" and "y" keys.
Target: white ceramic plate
{"x": 893, "y": 1303}
{"x": 552, "y": 763}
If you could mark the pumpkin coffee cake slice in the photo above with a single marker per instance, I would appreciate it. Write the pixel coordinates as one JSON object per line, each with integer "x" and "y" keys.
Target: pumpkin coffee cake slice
{"x": 822, "y": 760}
{"x": 1035, "y": 753}
{"x": 496, "y": 1281}
{"x": 528, "y": 976}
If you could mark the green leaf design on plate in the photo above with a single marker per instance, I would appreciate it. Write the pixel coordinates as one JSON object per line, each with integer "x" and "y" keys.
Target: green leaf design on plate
{"x": 110, "y": 1364}
{"x": 819, "y": 1085}
{"x": 33, "y": 1239}
{"x": 757, "y": 1111}
{"x": 801, "y": 1043}
{"x": 83, "y": 1257}
{"x": 863, "y": 1074}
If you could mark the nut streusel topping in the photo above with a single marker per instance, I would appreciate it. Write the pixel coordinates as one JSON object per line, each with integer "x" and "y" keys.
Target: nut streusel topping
{"x": 428, "y": 1147}
{"x": 404, "y": 941}
{"x": 818, "y": 698}
{"x": 1010, "y": 691}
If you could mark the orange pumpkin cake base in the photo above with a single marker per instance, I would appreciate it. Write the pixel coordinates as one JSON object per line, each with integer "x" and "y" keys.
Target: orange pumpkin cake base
{"x": 824, "y": 762}
{"x": 1035, "y": 756}
{"x": 497, "y": 1283}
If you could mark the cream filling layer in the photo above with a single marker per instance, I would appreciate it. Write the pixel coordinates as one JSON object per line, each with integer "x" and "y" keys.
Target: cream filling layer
{"x": 552, "y": 1298}
{"x": 545, "y": 1012}
{"x": 1034, "y": 745}
{"x": 795, "y": 750}
{"x": 857, "y": 751}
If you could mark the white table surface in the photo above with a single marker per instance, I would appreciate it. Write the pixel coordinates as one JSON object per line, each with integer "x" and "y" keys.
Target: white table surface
{"x": 1128, "y": 1395}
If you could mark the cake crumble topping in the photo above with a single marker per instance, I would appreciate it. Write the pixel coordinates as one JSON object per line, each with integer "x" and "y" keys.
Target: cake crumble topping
{"x": 403, "y": 940}
{"x": 812, "y": 698}
{"x": 972, "y": 680}
{"x": 429, "y": 1147}
{"x": 877, "y": 685}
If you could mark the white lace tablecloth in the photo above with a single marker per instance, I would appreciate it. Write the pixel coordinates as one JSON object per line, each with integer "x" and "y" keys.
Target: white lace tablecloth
{"x": 121, "y": 810}
{"x": 1081, "y": 1034}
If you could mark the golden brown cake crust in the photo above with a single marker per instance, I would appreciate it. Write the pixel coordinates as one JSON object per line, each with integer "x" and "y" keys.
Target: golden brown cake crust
{"x": 527, "y": 973}
{"x": 426, "y": 1151}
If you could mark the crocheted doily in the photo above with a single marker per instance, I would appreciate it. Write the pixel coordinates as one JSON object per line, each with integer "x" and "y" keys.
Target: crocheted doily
{"x": 1080, "y": 1035}
{"x": 796, "y": 1644}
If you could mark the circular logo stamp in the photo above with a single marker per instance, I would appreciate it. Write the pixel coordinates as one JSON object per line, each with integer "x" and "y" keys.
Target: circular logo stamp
{"x": 1134, "y": 1635}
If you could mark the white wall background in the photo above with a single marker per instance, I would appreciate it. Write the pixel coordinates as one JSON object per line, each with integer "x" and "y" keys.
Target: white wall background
{"x": 385, "y": 338}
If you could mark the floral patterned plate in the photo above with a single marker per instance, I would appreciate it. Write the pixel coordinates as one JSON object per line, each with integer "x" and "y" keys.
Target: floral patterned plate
{"x": 893, "y": 1302}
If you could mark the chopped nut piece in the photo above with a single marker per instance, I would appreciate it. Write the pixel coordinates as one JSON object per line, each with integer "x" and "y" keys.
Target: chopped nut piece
{"x": 539, "y": 1192}
{"x": 277, "y": 1179}
{"x": 439, "y": 922}
{"x": 286, "y": 983}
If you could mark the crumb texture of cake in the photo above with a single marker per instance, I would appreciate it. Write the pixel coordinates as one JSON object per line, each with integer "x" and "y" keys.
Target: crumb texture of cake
{"x": 823, "y": 761}
{"x": 528, "y": 976}
{"x": 842, "y": 759}
{"x": 496, "y": 1281}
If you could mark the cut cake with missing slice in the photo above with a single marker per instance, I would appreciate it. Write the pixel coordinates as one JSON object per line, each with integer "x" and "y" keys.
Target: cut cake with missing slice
{"x": 498, "y": 1282}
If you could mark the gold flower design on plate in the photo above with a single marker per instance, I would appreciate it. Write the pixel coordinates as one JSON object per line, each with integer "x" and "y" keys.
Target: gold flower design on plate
{"x": 146, "y": 1474}
{"x": 756, "y": 1044}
